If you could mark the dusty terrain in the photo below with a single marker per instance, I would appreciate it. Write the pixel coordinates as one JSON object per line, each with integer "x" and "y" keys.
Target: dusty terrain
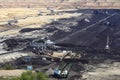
{"x": 61, "y": 4}
{"x": 103, "y": 71}
{"x": 66, "y": 28}
{"x": 27, "y": 18}
{"x": 4, "y": 73}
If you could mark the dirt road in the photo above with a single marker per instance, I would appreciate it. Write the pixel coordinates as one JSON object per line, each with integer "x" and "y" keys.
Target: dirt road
{"x": 11, "y": 73}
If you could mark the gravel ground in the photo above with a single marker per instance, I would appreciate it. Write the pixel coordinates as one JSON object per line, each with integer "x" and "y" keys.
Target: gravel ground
{"x": 103, "y": 71}
{"x": 11, "y": 72}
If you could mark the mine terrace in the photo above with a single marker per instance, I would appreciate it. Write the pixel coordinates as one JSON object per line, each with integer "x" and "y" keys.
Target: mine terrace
{"x": 83, "y": 45}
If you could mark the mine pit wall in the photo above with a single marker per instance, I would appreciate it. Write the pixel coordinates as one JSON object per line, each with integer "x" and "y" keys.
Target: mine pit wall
{"x": 97, "y": 4}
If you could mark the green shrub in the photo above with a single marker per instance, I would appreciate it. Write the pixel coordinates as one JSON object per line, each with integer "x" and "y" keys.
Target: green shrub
{"x": 10, "y": 78}
{"x": 8, "y": 66}
{"x": 41, "y": 76}
{"x": 15, "y": 78}
{"x": 29, "y": 75}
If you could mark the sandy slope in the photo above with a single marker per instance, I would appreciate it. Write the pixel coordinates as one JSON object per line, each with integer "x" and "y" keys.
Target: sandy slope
{"x": 27, "y": 18}
{"x": 103, "y": 71}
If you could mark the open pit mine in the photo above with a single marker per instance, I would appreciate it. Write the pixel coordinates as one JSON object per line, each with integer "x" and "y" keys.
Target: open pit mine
{"x": 82, "y": 45}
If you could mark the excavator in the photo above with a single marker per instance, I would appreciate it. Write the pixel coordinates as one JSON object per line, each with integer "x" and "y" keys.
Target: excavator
{"x": 63, "y": 70}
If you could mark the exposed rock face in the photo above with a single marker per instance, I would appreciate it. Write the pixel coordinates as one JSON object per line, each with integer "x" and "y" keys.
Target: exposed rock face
{"x": 60, "y": 3}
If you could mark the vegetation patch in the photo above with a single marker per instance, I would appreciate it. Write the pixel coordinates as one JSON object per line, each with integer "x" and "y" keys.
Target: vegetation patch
{"x": 29, "y": 75}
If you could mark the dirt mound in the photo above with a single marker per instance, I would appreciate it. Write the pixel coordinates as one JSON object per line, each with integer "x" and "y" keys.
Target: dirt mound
{"x": 92, "y": 37}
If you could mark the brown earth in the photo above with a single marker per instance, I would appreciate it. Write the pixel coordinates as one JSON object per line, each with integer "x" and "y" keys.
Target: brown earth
{"x": 5, "y": 73}
{"x": 27, "y": 18}
{"x": 60, "y": 3}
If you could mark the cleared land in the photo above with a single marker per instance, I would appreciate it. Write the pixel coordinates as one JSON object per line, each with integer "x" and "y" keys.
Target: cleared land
{"x": 4, "y": 73}
{"x": 27, "y": 18}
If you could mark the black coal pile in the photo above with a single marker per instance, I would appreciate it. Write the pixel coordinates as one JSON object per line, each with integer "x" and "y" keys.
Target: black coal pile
{"x": 37, "y": 62}
{"x": 87, "y": 31}
{"x": 29, "y": 30}
{"x": 86, "y": 35}
{"x": 96, "y": 35}
{"x": 13, "y": 44}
